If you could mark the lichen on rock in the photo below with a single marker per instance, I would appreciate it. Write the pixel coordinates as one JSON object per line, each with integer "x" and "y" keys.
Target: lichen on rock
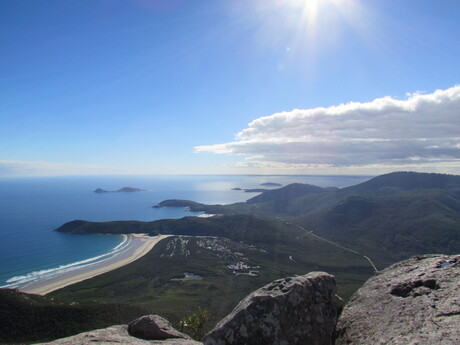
{"x": 296, "y": 310}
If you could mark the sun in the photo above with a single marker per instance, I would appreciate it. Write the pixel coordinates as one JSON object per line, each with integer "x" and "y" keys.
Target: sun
{"x": 311, "y": 11}
{"x": 308, "y": 9}
{"x": 317, "y": 21}
{"x": 304, "y": 30}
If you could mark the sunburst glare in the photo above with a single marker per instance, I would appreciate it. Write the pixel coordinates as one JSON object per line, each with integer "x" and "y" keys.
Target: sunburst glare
{"x": 307, "y": 29}
{"x": 315, "y": 16}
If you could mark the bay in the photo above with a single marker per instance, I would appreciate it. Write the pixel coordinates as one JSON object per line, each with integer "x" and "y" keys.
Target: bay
{"x": 31, "y": 208}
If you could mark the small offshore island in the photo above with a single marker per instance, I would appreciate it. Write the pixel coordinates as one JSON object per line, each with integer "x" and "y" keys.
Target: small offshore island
{"x": 121, "y": 190}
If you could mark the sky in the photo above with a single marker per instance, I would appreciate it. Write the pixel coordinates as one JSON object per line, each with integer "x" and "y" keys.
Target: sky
{"x": 101, "y": 87}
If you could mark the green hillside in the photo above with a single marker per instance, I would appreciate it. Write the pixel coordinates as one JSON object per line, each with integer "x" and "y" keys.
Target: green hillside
{"x": 26, "y": 318}
{"x": 155, "y": 282}
{"x": 281, "y": 232}
{"x": 389, "y": 217}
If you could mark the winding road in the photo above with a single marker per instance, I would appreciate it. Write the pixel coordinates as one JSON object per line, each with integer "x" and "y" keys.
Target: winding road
{"x": 336, "y": 244}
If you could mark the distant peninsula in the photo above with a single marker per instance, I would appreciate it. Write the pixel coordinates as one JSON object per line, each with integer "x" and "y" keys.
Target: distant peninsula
{"x": 252, "y": 190}
{"x": 121, "y": 190}
{"x": 259, "y": 190}
{"x": 255, "y": 190}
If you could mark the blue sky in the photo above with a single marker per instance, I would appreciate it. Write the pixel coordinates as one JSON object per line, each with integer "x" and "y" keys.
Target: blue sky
{"x": 229, "y": 86}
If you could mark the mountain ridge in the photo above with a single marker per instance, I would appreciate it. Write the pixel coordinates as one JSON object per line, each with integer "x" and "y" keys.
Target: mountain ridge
{"x": 392, "y": 216}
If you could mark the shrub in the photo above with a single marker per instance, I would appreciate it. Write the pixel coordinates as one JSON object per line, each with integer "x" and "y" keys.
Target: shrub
{"x": 195, "y": 324}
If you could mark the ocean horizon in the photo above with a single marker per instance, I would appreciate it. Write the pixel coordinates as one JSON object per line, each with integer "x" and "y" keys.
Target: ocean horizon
{"x": 31, "y": 208}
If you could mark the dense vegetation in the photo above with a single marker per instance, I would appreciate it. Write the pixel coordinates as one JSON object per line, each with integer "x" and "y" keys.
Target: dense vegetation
{"x": 278, "y": 233}
{"x": 31, "y": 318}
{"x": 156, "y": 281}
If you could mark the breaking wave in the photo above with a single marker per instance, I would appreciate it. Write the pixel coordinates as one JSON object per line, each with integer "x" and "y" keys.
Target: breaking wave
{"x": 23, "y": 280}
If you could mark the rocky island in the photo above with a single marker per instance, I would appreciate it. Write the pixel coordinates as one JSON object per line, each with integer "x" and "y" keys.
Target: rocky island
{"x": 121, "y": 190}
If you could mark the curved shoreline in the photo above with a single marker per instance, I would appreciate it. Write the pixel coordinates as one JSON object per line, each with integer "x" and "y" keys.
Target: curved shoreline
{"x": 139, "y": 246}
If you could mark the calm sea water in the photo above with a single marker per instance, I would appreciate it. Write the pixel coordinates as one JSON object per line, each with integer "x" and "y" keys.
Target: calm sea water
{"x": 31, "y": 208}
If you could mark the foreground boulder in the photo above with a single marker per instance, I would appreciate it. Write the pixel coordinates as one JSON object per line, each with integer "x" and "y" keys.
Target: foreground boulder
{"x": 154, "y": 327}
{"x": 416, "y": 301}
{"x": 116, "y": 335}
{"x": 297, "y": 310}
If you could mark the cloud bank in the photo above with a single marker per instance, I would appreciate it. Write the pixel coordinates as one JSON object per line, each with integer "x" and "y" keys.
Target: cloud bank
{"x": 422, "y": 130}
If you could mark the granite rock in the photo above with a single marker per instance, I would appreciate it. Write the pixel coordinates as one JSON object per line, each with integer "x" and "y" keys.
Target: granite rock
{"x": 297, "y": 310}
{"x": 416, "y": 301}
{"x": 153, "y": 327}
{"x": 116, "y": 335}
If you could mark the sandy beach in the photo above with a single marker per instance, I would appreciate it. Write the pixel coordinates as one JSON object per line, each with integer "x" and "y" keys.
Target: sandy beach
{"x": 139, "y": 245}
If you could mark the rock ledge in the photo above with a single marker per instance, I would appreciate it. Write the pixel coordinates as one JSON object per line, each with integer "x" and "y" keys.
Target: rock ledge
{"x": 416, "y": 301}
{"x": 297, "y": 310}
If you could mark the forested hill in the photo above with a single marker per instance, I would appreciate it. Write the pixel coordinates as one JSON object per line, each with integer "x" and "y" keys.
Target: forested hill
{"x": 392, "y": 216}
{"x": 300, "y": 199}
{"x": 287, "y": 193}
{"x": 407, "y": 180}
{"x": 246, "y": 228}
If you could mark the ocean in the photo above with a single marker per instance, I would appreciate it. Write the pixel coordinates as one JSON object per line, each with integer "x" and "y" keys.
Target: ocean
{"x": 31, "y": 208}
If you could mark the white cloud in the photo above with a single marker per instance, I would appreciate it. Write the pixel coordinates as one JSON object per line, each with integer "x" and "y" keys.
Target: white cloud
{"x": 386, "y": 131}
{"x": 21, "y": 168}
